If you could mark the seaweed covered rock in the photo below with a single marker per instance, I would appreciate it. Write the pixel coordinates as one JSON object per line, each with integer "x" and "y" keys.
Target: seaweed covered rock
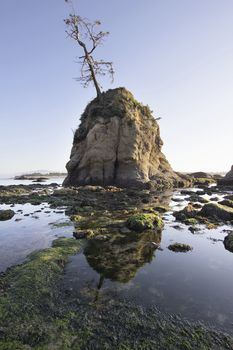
{"x": 188, "y": 212}
{"x": 217, "y": 211}
{"x": 118, "y": 143}
{"x": 142, "y": 222}
{"x": 6, "y": 214}
{"x": 180, "y": 247}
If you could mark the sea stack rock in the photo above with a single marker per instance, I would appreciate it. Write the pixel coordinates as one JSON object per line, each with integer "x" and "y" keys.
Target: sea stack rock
{"x": 118, "y": 143}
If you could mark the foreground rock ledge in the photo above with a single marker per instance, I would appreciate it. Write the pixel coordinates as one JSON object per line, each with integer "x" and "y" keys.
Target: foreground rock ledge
{"x": 118, "y": 143}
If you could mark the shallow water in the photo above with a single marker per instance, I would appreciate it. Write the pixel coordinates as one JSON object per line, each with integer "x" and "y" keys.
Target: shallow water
{"x": 30, "y": 229}
{"x": 197, "y": 285}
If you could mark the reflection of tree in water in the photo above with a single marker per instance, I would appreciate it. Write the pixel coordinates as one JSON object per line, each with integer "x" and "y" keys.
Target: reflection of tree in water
{"x": 120, "y": 257}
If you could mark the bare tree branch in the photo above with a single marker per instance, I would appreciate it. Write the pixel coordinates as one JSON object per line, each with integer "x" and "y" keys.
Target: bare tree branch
{"x": 88, "y": 37}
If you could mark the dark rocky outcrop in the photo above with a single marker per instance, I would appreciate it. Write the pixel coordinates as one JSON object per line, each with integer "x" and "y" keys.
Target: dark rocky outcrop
{"x": 187, "y": 213}
{"x": 217, "y": 211}
{"x": 227, "y": 180}
{"x": 228, "y": 241}
{"x": 6, "y": 214}
{"x": 118, "y": 143}
{"x": 201, "y": 174}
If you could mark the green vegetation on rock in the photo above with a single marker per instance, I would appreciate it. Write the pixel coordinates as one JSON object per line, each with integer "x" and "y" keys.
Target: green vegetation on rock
{"x": 180, "y": 247}
{"x": 142, "y": 222}
{"x": 217, "y": 211}
{"x": 28, "y": 293}
{"x": 191, "y": 221}
{"x": 187, "y": 213}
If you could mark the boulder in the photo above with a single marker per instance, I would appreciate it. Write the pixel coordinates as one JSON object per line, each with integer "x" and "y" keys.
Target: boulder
{"x": 6, "y": 214}
{"x": 188, "y": 212}
{"x": 228, "y": 242}
{"x": 227, "y": 180}
{"x": 217, "y": 211}
{"x": 118, "y": 143}
{"x": 141, "y": 222}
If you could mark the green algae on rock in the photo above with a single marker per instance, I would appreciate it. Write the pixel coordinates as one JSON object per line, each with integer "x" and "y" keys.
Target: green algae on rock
{"x": 141, "y": 222}
{"x": 217, "y": 211}
{"x": 191, "y": 221}
{"x": 180, "y": 247}
{"x": 28, "y": 292}
{"x": 187, "y": 213}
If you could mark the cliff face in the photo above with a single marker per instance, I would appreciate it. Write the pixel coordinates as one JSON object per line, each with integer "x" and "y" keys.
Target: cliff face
{"x": 118, "y": 143}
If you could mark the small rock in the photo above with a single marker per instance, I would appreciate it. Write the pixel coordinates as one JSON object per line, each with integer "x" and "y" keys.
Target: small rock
{"x": 80, "y": 234}
{"x": 180, "y": 247}
{"x": 228, "y": 242}
{"x": 193, "y": 229}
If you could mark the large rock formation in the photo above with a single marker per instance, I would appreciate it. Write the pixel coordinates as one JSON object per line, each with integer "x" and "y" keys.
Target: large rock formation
{"x": 118, "y": 143}
{"x": 229, "y": 175}
{"x": 227, "y": 179}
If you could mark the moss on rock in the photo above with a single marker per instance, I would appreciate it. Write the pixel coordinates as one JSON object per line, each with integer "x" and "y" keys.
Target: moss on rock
{"x": 191, "y": 221}
{"x": 188, "y": 212}
{"x": 217, "y": 211}
{"x": 180, "y": 247}
{"x": 142, "y": 222}
{"x": 27, "y": 295}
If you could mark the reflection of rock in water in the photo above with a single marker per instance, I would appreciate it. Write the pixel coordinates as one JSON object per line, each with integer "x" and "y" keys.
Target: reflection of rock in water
{"x": 119, "y": 258}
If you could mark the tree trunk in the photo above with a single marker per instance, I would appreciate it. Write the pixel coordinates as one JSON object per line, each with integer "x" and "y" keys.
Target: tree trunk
{"x": 88, "y": 58}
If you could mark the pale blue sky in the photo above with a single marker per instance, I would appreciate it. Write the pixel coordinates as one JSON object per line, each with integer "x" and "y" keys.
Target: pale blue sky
{"x": 175, "y": 55}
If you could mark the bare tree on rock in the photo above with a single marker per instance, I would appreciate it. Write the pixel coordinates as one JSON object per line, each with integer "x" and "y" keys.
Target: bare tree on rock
{"x": 88, "y": 36}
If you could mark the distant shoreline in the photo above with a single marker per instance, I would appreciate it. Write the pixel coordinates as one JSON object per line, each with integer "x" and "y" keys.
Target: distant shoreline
{"x": 34, "y": 176}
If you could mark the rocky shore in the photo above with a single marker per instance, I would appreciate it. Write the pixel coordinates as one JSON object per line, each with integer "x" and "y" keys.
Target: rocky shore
{"x": 118, "y": 229}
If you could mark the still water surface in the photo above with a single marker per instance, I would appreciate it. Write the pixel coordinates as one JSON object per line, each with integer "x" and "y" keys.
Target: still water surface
{"x": 197, "y": 285}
